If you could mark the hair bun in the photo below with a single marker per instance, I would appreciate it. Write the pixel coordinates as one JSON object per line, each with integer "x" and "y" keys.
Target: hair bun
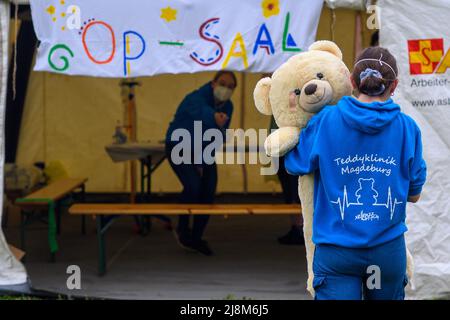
{"x": 375, "y": 71}
{"x": 372, "y": 86}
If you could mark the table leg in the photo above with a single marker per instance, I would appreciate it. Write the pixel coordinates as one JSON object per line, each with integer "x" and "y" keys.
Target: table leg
{"x": 133, "y": 181}
{"x": 142, "y": 178}
{"x": 147, "y": 219}
{"x": 149, "y": 177}
{"x": 83, "y": 217}
{"x": 58, "y": 217}
{"x": 101, "y": 247}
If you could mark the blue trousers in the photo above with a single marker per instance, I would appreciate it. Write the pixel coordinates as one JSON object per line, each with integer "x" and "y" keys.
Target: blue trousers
{"x": 199, "y": 186}
{"x": 377, "y": 273}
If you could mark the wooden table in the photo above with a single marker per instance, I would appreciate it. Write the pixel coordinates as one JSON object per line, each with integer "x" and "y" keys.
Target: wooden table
{"x": 49, "y": 197}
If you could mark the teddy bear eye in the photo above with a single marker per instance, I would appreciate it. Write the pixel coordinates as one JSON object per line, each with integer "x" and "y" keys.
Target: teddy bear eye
{"x": 320, "y": 75}
{"x": 297, "y": 91}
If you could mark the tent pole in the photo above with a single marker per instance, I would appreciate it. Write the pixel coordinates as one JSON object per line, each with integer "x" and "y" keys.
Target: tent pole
{"x": 242, "y": 124}
{"x": 131, "y": 127}
{"x": 26, "y": 44}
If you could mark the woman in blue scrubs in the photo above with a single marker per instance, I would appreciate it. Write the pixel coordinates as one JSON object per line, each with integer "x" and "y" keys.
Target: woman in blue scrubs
{"x": 208, "y": 107}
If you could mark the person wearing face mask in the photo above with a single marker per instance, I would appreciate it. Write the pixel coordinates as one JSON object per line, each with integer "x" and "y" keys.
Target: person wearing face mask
{"x": 211, "y": 105}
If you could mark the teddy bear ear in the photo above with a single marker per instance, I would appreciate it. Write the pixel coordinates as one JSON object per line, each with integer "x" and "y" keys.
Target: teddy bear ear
{"x": 328, "y": 46}
{"x": 261, "y": 96}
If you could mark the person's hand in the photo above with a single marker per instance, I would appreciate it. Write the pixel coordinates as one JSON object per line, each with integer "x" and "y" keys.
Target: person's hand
{"x": 414, "y": 199}
{"x": 221, "y": 119}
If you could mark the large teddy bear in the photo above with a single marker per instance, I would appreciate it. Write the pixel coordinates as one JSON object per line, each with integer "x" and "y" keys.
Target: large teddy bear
{"x": 297, "y": 90}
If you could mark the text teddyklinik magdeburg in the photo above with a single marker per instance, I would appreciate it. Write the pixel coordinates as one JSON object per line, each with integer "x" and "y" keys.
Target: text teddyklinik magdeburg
{"x": 356, "y": 164}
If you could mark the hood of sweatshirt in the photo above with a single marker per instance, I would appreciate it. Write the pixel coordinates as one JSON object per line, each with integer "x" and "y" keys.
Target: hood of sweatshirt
{"x": 371, "y": 117}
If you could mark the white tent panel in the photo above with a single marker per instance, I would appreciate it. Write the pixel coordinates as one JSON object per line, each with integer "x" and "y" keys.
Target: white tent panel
{"x": 405, "y": 25}
{"x": 12, "y": 272}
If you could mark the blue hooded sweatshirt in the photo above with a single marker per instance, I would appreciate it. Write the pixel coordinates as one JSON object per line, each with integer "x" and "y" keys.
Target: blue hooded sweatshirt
{"x": 367, "y": 160}
{"x": 198, "y": 106}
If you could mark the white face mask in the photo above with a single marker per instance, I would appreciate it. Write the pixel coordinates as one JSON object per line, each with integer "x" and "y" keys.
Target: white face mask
{"x": 222, "y": 93}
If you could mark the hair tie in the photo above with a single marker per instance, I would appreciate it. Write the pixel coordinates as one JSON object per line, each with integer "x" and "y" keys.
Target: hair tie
{"x": 370, "y": 73}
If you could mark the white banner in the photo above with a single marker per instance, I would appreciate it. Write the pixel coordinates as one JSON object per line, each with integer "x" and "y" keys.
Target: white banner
{"x": 118, "y": 38}
{"x": 417, "y": 33}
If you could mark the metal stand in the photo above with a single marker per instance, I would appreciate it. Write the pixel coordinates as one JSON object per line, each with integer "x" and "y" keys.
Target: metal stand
{"x": 131, "y": 127}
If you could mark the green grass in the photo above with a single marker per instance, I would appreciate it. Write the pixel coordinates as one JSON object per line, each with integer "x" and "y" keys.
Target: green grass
{"x": 19, "y": 298}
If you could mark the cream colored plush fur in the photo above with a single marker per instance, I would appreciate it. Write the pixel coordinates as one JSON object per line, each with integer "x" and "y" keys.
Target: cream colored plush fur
{"x": 285, "y": 96}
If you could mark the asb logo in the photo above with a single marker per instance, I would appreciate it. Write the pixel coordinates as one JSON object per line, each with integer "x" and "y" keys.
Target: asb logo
{"x": 427, "y": 56}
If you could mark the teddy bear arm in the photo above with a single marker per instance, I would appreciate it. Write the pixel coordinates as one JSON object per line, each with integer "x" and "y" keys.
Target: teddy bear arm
{"x": 306, "y": 190}
{"x": 281, "y": 141}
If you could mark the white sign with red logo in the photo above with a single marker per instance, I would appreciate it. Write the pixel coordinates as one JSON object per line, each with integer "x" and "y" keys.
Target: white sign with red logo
{"x": 417, "y": 33}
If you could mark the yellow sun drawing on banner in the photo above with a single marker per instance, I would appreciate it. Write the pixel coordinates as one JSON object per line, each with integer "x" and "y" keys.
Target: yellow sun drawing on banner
{"x": 58, "y": 11}
{"x": 51, "y": 10}
{"x": 270, "y": 8}
{"x": 168, "y": 14}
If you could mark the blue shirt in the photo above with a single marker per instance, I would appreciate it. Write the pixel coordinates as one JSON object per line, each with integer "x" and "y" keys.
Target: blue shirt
{"x": 367, "y": 160}
{"x": 199, "y": 105}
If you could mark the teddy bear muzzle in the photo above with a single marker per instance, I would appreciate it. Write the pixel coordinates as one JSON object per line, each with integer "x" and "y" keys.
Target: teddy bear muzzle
{"x": 315, "y": 95}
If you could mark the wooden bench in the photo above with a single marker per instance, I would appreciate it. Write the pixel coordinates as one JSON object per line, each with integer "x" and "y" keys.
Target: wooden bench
{"x": 49, "y": 197}
{"x": 105, "y": 214}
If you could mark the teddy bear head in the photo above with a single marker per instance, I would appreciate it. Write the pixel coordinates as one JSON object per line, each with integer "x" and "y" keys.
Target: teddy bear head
{"x": 303, "y": 85}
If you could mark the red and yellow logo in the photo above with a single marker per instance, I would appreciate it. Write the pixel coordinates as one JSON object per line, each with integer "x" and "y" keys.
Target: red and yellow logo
{"x": 427, "y": 56}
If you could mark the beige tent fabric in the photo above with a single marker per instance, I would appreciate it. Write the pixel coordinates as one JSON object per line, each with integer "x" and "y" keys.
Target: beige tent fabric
{"x": 12, "y": 272}
{"x": 71, "y": 119}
